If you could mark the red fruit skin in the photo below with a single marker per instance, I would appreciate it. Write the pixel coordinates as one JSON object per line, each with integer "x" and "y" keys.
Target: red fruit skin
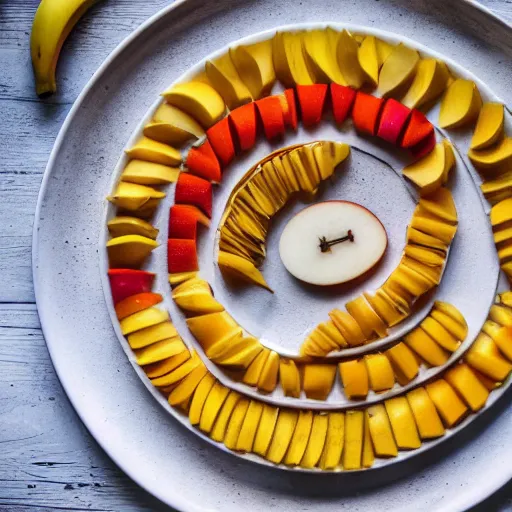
{"x": 125, "y": 282}
{"x": 392, "y": 121}
{"x": 181, "y": 255}
{"x": 271, "y": 114}
{"x": 418, "y": 129}
{"x": 290, "y": 109}
{"x": 193, "y": 190}
{"x": 342, "y": 99}
{"x": 221, "y": 139}
{"x": 424, "y": 147}
{"x": 311, "y": 102}
{"x": 203, "y": 162}
{"x": 365, "y": 112}
{"x": 182, "y": 222}
{"x": 244, "y": 122}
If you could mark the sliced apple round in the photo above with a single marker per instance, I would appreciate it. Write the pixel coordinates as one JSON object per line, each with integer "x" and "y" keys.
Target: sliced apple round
{"x": 300, "y": 244}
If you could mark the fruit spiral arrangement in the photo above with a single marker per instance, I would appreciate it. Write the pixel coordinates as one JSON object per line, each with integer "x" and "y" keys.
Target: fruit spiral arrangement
{"x": 391, "y": 369}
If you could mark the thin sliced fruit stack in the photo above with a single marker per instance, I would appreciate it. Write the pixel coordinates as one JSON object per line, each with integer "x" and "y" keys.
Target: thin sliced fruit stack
{"x": 395, "y": 397}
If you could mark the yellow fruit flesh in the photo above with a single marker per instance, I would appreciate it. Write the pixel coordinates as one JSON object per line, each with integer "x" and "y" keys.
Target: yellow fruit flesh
{"x": 348, "y": 327}
{"x": 404, "y": 362}
{"x": 289, "y": 62}
{"x": 380, "y": 372}
{"x": 501, "y": 213}
{"x": 318, "y": 380}
{"x": 235, "y": 423}
{"x": 200, "y": 395}
{"x": 167, "y": 365}
{"x": 153, "y": 151}
{"x": 385, "y": 309}
{"x": 384, "y": 50}
{"x": 289, "y": 377}
{"x": 152, "y": 334}
{"x": 212, "y": 406}
{"x": 427, "y": 419}
{"x": 458, "y": 330}
{"x": 424, "y": 255}
{"x": 179, "y": 373}
{"x": 142, "y": 319}
{"x": 421, "y": 343}
{"x": 427, "y": 172}
{"x": 460, "y": 105}
{"x": 441, "y": 204}
{"x": 211, "y": 328}
{"x": 220, "y": 426}
{"x": 131, "y": 196}
{"x": 249, "y": 427}
{"x": 129, "y": 251}
{"x": 369, "y": 60}
{"x": 195, "y": 296}
{"x": 402, "y": 423}
{"x": 185, "y": 389}
{"x": 159, "y": 351}
{"x": 300, "y": 438}
{"x": 347, "y": 55}
{"x": 380, "y": 431}
{"x": 241, "y": 268}
{"x": 487, "y": 159}
{"x": 177, "y": 126}
{"x": 354, "y": 438}
{"x": 181, "y": 277}
{"x": 243, "y": 358}
{"x": 265, "y": 430}
{"x": 430, "y": 80}
{"x": 334, "y": 440}
{"x": 354, "y": 376}
{"x": 121, "y": 226}
{"x": 433, "y": 227}
{"x": 398, "y": 69}
{"x": 366, "y": 317}
{"x": 489, "y": 127}
{"x": 252, "y": 375}
{"x": 467, "y": 385}
{"x": 417, "y": 237}
{"x": 485, "y": 357}
{"x": 149, "y": 173}
{"x": 332, "y": 332}
{"x": 282, "y": 436}
{"x": 267, "y": 381}
{"x": 316, "y": 441}
{"x": 448, "y": 404}
{"x": 439, "y": 334}
{"x": 368, "y": 457}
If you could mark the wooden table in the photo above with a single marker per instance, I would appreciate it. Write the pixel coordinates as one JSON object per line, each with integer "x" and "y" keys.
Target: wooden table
{"x": 48, "y": 461}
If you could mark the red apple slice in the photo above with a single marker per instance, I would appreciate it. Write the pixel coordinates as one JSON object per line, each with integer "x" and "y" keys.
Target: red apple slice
{"x": 195, "y": 191}
{"x": 183, "y": 220}
{"x": 365, "y": 112}
{"x": 271, "y": 113}
{"x": 306, "y": 258}
{"x": 203, "y": 162}
{"x": 342, "y": 99}
{"x": 311, "y": 102}
{"x": 244, "y": 123}
{"x": 418, "y": 129}
{"x": 392, "y": 120}
{"x": 289, "y": 109}
{"x": 125, "y": 282}
{"x": 181, "y": 255}
{"x": 221, "y": 140}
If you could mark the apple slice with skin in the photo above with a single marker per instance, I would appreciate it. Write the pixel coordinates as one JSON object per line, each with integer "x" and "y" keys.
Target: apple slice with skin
{"x": 460, "y": 105}
{"x": 398, "y": 70}
{"x": 393, "y": 118}
{"x": 221, "y": 140}
{"x": 154, "y": 151}
{"x": 418, "y": 129}
{"x": 342, "y": 99}
{"x": 311, "y": 102}
{"x": 202, "y": 161}
{"x": 299, "y": 244}
{"x": 243, "y": 120}
{"x": 195, "y": 191}
{"x": 289, "y": 59}
{"x": 489, "y": 127}
{"x": 365, "y": 112}
{"x": 271, "y": 114}
{"x": 125, "y": 282}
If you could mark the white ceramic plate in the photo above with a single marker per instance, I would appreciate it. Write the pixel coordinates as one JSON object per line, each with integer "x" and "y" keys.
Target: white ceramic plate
{"x": 152, "y": 448}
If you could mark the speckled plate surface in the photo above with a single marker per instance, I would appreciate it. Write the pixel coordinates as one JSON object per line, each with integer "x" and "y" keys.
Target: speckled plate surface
{"x": 149, "y": 445}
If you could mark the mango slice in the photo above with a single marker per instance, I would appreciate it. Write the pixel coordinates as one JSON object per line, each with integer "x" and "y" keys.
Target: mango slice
{"x": 369, "y": 60}
{"x": 198, "y": 99}
{"x": 220, "y": 426}
{"x": 300, "y": 438}
{"x": 239, "y": 358}
{"x": 370, "y": 323}
{"x": 501, "y": 335}
{"x": 402, "y": 423}
{"x": 348, "y": 59}
{"x": 489, "y": 127}
{"x": 151, "y": 334}
{"x": 467, "y": 385}
{"x": 380, "y": 372}
{"x": 421, "y": 343}
{"x": 318, "y": 380}
{"x": 153, "y": 151}
{"x": 253, "y": 373}
{"x": 212, "y": 406}
{"x": 425, "y": 414}
{"x": 249, "y": 427}
{"x": 149, "y": 173}
{"x": 384, "y": 50}
{"x": 501, "y": 315}
{"x": 380, "y": 431}
{"x": 348, "y": 327}
{"x": 488, "y": 159}
{"x": 167, "y": 365}
{"x": 434, "y": 227}
{"x": 331, "y": 331}
{"x": 334, "y": 441}
{"x": 131, "y": 196}
{"x": 255, "y": 67}
{"x": 224, "y": 76}
{"x": 419, "y": 238}
{"x": 199, "y": 398}
{"x": 289, "y": 378}
{"x": 186, "y": 388}
{"x": 398, "y": 70}
{"x": 441, "y": 204}
{"x": 460, "y": 105}
{"x": 440, "y": 334}
{"x": 212, "y": 328}
{"x": 420, "y": 260}
{"x": 268, "y": 378}
{"x": 385, "y": 308}
{"x": 368, "y": 456}
{"x": 354, "y": 376}
{"x": 178, "y": 373}
{"x": 181, "y": 277}
{"x": 283, "y": 432}
{"x": 195, "y": 296}
{"x": 122, "y": 225}
{"x": 142, "y": 319}
{"x": 242, "y": 268}
{"x": 289, "y": 60}
{"x": 485, "y": 357}
{"x": 449, "y": 406}
{"x": 235, "y": 423}
{"x": 354, "y": 435}
{"x": 316, "y": 441}
{"x": 265, "y": 430}
{"x": 430, "y": 81}
{"x": 129, "y": 251}
{"x": 501, "y": 213}
{"x": 160, "y": 350}
{"x": 424, "y": 255}
{"x": 404, "y": 363}
{"x": 320, "y": 50}
{"x": 455, "y": 327}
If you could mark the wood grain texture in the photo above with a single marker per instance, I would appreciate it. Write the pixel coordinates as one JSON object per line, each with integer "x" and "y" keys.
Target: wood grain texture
{"x": 48, "y": 460}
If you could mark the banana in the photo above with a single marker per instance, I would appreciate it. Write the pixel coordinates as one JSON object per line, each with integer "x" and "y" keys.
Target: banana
{"x": 52, "y": 24}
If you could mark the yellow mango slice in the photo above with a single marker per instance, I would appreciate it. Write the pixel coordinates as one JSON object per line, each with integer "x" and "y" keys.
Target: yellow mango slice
{"x": 229, "y": 345}
{"x": 265, "y": 430}
{"x": 407, "y": 283}
{"x": 501, "y": 315}
{"x": 240, "y": 358}
{"x": 195, "y": 296}
{"x": 253, "y": 373}
{"x": 441, "y": 204}
{"x": 129, "y": 251}
{"x": 430, "y": 80}
{"x": 369, "y": 60}
{"x": 267, "y": 381}
{"x": 320, "y": 52}
{"x": 384, "y": 50}
{"x": 421, "y": 343}
{"x": 198, "y": 99}
{"x": 502, "y": 336}
{"x": 143, "y": 319}
{"x": 427, "y": 172}
{"x": 160, "y": 350}
{"x": 149, "y": 173}
{"x": 354, "y": 376}
{"x": 235, "y": 423}
{"x": 368, "y": 456}
{"x": 489, "y": 127}
{"x": 449, "y": 406}
{"x": 334, "y": 441}
{"x": 402, "y": 423}
{"x": 289, "y": 60}
{"x": 121, "y": 226}
{"x": 283, "y": 432}
{"x": 255, "y": 66}
{"x": 185, "y": 389}
{"x": 211, "y": 328}
{"x": 433, "y": 227}
{"x": 317, "y": 344}
{"x": 465, "y": 382}
{"x": 153, "y": 151}
{"x": 431, "y": 273}
{"x": 178, "y": 373}
{"x": 306, "y": 181}
{"x": 212, "y": 406}
{"x": 398, "y": 70}
{"x": 354, "y": 436}
{"x": 424, "y": 255}
{"x": 454, "y": 327}
{"x": 440, "y": 334}
{"x": 380, "y": 430}
{"x": 241, "y": 268}
{"x": 485, "y": 357}
{"x": 503, "y": 236}
{"x": 198, "y": 400}
{"x": 332, "y": 332}
{"x": 501, "y": 213}
{"x": 349, "y": 328}
{"x": 249, "y": 427}
{"x": 289, "y": 377}
{"x": 167, "y": 365}
{"x": 316, "y": 441}
{"x": 454, "y": 314}
{"x": 404, "y": 363}
{"x": 181, "y": 277}
{"x": 366, "y": 317}
{"x": 300, "y": 438}
{"x": 220, "y": 426}
{"x": 131, "y": 196}
{"x": 425, "y": 414}
{"x": 348, "y": 59}
{"x": 224, "y": 77}
{"x": 460, "y": 105}
{"x": 419, "y": 238}
{"x": 380, "y": 372}
{"x": 506, "y": 297}
{"x": 318, "y": 380}
{"x": 385, "y": 308}
{"x": 490, "y": 158}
